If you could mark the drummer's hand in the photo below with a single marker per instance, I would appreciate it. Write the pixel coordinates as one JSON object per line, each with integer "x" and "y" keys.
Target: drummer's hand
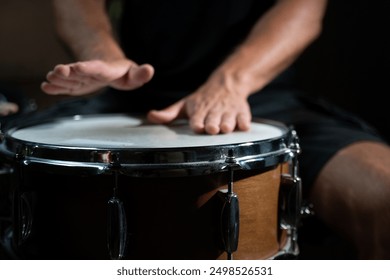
{"x": 8, "y": 108}
{"x": 212, "y": 109}
{"x": 88, "y": 76}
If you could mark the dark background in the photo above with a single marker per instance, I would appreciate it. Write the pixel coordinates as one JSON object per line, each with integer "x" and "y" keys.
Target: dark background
{"x": 348, "y": 65}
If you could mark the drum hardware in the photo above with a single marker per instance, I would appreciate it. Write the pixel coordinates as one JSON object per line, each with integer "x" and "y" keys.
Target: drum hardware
{"x": 25, "y": 217}
{"x": 21, "y": 210}
{"x": 5, "y": 199}
{"x": 116, "y": 218}
{"x": 307, "y": 210}
{"x": 291, "y": 197}
{"x": 230, "y": 216}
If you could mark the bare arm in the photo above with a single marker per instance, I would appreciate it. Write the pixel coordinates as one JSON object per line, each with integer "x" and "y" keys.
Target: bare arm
{"x": 274, "y": 43}
{"x": 85, "y": 28}
{"x": 276, "y": 40}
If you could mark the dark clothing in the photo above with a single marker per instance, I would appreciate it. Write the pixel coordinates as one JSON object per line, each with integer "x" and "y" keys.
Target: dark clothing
{"x": 185, "y": 40}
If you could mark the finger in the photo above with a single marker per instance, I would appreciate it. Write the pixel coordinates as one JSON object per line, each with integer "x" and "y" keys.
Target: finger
{"x": 197, "y": 122}
{"x": 92, "y": 68}
{"x": 212, "y": 123}
{"x": 70, "y": 83}
{"x": 62, "y": 70}
{"x": 168, "y": 114}
{"x": 53, "y": 89}
{"x": 228, "y": 123}
{"x": 244, "y": 121}
{"x": 95, "y": 71}
{"x": 69, "y": 76}
{"x": 68, "y": 86}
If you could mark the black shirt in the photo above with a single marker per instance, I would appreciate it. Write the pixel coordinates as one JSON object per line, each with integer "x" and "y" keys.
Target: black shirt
{"x": 185, "y": 40}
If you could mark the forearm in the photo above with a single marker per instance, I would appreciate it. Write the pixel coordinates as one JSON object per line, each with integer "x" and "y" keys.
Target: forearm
{"x": 276, "y": 40}
{"x": 85, "y": 28}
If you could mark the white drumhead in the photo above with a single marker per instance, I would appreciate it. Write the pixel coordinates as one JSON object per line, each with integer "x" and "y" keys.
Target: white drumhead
{"x": 122, "y": 131}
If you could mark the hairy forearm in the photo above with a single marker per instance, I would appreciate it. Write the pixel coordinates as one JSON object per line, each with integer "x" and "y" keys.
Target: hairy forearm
{"x": 86, "y": 29}
{"x": 274, "y": 43}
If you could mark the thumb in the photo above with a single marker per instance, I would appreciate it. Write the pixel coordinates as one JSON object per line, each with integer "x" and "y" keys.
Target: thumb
{"x": 140, "y": 74}
{"x": 168, "y": 114}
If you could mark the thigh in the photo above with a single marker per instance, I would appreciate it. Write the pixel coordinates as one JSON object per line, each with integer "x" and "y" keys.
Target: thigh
{"x": 351, "y": 195}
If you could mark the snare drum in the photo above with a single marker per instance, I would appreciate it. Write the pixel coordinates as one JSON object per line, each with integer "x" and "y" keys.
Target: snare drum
{"x": 115, "y": 186}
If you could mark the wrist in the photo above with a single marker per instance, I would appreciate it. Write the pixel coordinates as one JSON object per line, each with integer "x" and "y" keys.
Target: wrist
{"x": 242, "y": 72}
{"x": 237, "y": 81}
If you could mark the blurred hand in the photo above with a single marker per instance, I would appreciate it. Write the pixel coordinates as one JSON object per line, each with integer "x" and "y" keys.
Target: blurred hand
{"x": 85, "y": 77}
{"x": 7, "y": 108}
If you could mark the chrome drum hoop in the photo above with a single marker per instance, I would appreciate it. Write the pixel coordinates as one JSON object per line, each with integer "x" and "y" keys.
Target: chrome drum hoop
{"x": 150, "y": 162}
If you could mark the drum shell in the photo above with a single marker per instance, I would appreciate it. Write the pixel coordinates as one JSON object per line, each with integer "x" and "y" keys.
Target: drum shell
{"x": 168, "y": 218}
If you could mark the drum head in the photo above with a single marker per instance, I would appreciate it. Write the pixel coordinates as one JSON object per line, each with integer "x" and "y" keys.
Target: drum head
{"x": 100, "y": 141}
